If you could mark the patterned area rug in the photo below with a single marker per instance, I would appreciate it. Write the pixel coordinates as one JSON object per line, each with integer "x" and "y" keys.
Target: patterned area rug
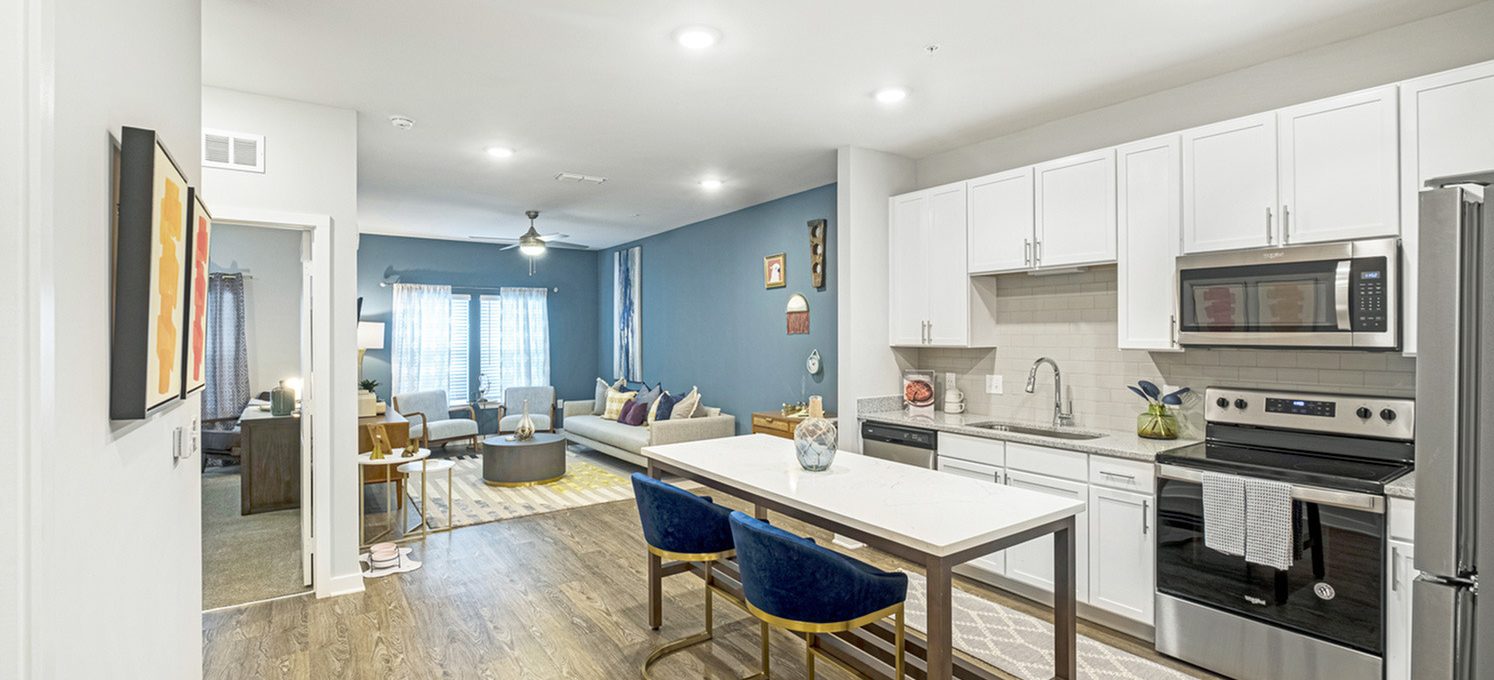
{"x": 1023, "y": 645}
{"x": 474, "y": 502}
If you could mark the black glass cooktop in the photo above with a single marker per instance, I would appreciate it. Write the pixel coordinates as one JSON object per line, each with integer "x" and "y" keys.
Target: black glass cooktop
{"x": 1333, "y": 472}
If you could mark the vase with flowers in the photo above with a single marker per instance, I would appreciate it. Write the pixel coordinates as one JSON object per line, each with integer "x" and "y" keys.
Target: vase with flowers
{"x": 1158, "y": 421}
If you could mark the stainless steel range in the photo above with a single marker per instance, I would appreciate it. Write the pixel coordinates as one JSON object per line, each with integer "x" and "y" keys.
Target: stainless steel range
{"x": 1317, "y": 609}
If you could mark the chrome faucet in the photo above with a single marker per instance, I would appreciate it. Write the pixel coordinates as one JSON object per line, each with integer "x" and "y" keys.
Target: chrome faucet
{"x": 1061, "y": 417}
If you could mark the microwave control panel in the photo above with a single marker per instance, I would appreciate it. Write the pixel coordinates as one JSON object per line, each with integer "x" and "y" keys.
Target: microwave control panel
{"x": 1369, "y": 293}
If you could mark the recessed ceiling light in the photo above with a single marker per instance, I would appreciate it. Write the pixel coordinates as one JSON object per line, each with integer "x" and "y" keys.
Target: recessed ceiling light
{"x": 697, "y": 37}
{"x": 500, "y": 151}
{"x": 401, "y": 122}
{"x": 711, "y": 184}
{"x": 891, "y": 95}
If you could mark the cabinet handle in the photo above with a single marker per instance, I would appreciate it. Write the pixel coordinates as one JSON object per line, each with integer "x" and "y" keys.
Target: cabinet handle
{"x": 1037, "y": 253}
{"x": 931, "y": 332}
{"x": 1026, "y": 252}
{"x": 1269, "y": 235}
{"x": 1172, "y": 333}
{"x": 1146, "y": 512}
{"x": 1117, "y": 475}
{"x": 1286, "y": 224}
{"x": 1395, "y": 568}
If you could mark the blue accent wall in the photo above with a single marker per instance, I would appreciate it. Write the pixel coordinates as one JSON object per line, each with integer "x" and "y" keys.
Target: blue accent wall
{"x": 463, "y": 266}
{"x": 708, "y": 321}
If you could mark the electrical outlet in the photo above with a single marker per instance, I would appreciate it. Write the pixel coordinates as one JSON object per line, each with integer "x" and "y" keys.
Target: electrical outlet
{"x": 993, "y": 384}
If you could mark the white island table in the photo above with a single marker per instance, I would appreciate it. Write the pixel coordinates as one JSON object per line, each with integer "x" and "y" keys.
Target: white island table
{"x": 933, "y": 519}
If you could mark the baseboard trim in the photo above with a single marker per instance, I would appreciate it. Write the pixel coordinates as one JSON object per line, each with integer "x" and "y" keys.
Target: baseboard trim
{"x": 345, "y": 584}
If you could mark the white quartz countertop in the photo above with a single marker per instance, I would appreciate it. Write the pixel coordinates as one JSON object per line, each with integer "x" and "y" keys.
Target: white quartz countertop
{"x": 1405, "y": 487}
{"x": 933, "y": 512}
{"x": 1109, "y": 443}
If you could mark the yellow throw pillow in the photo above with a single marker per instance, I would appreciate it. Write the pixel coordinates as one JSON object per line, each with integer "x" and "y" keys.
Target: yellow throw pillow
{"x": 615, "y": 402}
{"x": 653, "y": 410}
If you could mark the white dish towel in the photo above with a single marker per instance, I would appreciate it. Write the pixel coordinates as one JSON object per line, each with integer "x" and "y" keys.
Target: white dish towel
{"x": 1270, "y": 540}
{"x": 1224, "y": 513}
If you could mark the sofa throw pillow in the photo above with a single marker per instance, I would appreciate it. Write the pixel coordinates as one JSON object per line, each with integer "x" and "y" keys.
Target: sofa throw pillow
{"x": 615, "y": 402}
{"x": 633, "y": 413}
{"x": 686, "y": 406}
{"x": 649, "y": 395}
{"x": 661, "y": 408}
{"x": 599, "y": 402}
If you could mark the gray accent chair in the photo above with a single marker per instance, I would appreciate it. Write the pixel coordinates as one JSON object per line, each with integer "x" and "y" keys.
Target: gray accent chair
{"x": 541, "y": 408}
{"x": 626, "y": 442}
{"x": 436, "y": 426}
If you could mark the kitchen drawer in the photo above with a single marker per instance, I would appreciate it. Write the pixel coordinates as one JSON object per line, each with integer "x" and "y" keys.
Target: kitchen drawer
{"x": 975, "y": 449}
{"x": 1118, "y": 473}
{"x": 1403, "y": 520}
{"x": 1045, "y": 461}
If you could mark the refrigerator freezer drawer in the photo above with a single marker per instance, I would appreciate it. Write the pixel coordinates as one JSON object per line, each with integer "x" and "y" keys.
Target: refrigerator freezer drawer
{"x": 1441, "y": 631}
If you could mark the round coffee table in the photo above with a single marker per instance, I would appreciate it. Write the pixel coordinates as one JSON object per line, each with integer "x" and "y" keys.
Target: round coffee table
{"x": 509, "y": 462}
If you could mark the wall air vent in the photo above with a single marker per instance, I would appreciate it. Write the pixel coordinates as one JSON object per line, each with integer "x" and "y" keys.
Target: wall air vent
{"x": 578, "y": 177}
{"x": 233, "y": 150}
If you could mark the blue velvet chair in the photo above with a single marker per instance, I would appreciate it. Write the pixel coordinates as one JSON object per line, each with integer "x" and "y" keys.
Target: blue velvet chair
{"x": 679, "y": 525}
{"x": 792, "y": 583}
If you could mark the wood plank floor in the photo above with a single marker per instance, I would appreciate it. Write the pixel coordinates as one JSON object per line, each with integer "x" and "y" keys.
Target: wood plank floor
{"x": 560, "y": 595}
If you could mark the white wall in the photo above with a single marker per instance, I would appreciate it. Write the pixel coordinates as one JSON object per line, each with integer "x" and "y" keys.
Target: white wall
{"x": 311, "y": 167}
{"x": 13, "y": 508}
{"x": 271, "y": 260}
{"x": 110, "y": 526}
{"x": 1427, "y": 46}
{"x": 864, "y": 180}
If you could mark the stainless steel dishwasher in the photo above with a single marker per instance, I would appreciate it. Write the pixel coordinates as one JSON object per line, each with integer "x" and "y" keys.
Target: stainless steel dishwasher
{"x": 900, "y": 443}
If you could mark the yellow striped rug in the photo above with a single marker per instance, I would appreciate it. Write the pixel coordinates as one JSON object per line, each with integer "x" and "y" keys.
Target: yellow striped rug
{"x": 585, "y": 483}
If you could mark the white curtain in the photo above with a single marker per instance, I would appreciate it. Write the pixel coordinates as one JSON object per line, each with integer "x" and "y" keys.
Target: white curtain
{"x": 420, "y": 358}
{"x": 523, "y": 338}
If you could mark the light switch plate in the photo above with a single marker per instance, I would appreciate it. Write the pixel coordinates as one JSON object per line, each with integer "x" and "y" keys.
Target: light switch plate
{"x": 176, "y": 443}
{"x": 993, "y": 384}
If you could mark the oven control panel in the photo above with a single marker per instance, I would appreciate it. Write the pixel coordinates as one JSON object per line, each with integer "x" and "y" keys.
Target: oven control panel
{"x": 1354, "y": 415}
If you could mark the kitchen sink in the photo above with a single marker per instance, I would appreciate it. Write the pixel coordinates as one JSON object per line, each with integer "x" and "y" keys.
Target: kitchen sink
{"x": 1036, "y": 431}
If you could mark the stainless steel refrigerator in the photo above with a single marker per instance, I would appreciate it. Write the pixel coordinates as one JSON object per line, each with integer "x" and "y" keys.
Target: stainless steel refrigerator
{"x": 1453, "y": 636}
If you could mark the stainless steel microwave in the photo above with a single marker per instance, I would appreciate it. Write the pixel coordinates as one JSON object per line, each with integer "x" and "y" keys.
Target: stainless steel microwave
{"x": 1345, "y": 294}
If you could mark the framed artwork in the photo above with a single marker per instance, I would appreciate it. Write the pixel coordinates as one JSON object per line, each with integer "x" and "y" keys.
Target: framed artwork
{"x": 774, "y": 274}
{"x": 627, "y": 303}
{"x": 194, "y": 322}
{"x": 150, "y": 278}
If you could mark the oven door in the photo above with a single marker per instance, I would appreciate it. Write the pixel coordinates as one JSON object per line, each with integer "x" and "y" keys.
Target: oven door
{"x": 1333, "y": 591}
{"x": 1328, "y": 295}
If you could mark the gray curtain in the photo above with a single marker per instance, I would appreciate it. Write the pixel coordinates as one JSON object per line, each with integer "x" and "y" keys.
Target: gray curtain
{"x": 227, "y": 354}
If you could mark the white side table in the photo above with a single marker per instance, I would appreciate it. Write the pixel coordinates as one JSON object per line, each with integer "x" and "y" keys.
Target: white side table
{"x": 389, "y": 463}
{"x": 423, "y": 468}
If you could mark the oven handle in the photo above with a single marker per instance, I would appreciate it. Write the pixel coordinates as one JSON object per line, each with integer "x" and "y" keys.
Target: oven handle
{"x": 1341, "y": 293}
{"x": 1350, "y": 500}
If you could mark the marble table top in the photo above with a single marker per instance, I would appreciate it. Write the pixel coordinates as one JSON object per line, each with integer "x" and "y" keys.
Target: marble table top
{"x": 933, "y": 512}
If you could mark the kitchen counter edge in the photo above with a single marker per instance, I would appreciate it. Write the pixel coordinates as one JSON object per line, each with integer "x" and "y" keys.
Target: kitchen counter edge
{"x": 1112, "y": 444}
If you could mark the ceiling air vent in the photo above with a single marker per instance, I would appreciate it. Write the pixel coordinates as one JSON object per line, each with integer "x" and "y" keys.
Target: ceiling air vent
{"x": 233, "y": 150}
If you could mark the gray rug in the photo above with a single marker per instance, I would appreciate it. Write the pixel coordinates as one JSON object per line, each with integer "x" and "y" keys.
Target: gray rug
{"x": 245, "y": 558}
{"x": 1023, "y": 645}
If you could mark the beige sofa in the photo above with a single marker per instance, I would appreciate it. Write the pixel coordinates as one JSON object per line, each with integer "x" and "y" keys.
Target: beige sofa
{"x": 625, "y": 442}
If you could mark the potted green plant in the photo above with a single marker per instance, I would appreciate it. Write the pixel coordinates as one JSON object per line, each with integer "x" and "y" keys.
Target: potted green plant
{"x": 1158, "y": 421}
{"x": 368, "y": 385}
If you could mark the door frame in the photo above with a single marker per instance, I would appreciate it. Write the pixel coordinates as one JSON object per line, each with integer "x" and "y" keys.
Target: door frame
{"x": 316, "y": 416}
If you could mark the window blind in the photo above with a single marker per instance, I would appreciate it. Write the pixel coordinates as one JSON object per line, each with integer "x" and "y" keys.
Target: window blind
{"x": 459, "y": 390}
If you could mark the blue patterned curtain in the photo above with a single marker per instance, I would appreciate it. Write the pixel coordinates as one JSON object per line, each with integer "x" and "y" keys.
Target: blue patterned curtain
{"x": 627, "y": 329}
{"x": 227, "y": 352}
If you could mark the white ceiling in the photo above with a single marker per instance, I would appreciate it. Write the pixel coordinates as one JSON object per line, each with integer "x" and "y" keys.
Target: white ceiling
{"x": 599, "y": 87}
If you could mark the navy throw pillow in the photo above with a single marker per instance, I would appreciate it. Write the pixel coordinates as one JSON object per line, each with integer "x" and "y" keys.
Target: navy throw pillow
{"x": 666, "y": 405}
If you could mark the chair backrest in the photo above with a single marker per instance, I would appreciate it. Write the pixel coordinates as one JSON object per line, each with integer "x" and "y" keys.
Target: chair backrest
{"x": 790, "y": 577}
{"x": 678, "y": 521}
{"x": 540, "y": 398}
{"x": 432, "y": 403}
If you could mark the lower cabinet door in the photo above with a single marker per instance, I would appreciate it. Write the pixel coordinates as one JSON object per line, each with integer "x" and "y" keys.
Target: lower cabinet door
{"x": 1032, "y": 562}
{"x": 1122, "y": 574}
{"x": 1398, "y": 611}
{"x": 995, "y": 562}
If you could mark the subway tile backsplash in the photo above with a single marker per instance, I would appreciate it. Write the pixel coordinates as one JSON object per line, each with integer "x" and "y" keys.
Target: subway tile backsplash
{"x": 1072, "y": 319}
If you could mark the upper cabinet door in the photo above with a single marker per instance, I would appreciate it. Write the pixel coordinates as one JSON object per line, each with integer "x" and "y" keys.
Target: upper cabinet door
{"x": 1075, "y": 200}
{"x": 1000, "y": 222}
{"x": 1444, "y": 131}
{"x": 1229, "y": 184}
{"x": 1338, "y": 164}
{"x": 1148, "y": 224}
{"x": 909, "y": 296}
{"x": 947, "y": 283}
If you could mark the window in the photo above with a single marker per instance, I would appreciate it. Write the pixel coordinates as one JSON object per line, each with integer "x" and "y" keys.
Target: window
{"x": 459, "y": 388}
{"x": 515, "y": 339}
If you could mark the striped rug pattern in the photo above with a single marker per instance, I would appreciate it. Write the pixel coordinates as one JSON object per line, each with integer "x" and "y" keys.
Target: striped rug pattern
{"x": 474, "y": 502}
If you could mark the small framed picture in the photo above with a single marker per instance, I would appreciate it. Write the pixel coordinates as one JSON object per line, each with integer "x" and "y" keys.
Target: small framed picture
{"x": 774, "y": 274}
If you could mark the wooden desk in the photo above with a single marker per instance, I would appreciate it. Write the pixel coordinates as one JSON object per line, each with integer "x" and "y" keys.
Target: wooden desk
{"x": 270, "y": 466}
{"x": 777, "y": 424}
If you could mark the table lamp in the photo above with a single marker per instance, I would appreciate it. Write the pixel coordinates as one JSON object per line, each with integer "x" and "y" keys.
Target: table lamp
{"x": 370, "y": 336}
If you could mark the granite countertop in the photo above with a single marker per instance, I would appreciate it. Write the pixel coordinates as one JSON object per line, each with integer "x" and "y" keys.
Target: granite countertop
{"x": 1110, "y": 443}
{"x": 1405, "y": 487}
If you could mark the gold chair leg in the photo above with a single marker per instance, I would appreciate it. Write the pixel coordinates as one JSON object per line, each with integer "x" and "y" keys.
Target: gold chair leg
{"x": 900, "y": 637}
{"x": 682, "y": 643}
{"x": 766, "y": 654}
{"x": 809, "y": 656}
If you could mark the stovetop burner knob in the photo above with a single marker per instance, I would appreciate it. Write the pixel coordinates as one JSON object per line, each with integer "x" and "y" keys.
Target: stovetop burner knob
{"x": 1222, "y": 402}
{"x": 1241, "y": 403}
{"x": 1387, "y": 415}
{"x": 1364, "y": 413}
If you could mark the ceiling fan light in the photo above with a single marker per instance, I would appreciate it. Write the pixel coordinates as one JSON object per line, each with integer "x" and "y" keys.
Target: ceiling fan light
{"x": 535, "y": 249}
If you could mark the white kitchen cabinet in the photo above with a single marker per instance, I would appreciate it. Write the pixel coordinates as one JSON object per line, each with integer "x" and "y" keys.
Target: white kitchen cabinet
{"x": 1001, "y": 219}
{"x": 931, "y": 300}
{"x": 947, "y": 281}
{"x": 1229, "y": 184}
{"x": 1338, "y": 161}
{"x": 1032, "y": 562}
{"x": 1149, "y": 205}
{"x": 1075, "y": 210}
{"x": 909, "y": 301}
{"x": 1445, "y": 121}
{"x": 1122, "y": 552}
{"x": 1402, "y": 575}
{"x": 994, "y": 563}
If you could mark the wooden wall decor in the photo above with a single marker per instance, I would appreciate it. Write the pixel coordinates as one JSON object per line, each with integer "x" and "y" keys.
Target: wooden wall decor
{"x": 817, "y": 253}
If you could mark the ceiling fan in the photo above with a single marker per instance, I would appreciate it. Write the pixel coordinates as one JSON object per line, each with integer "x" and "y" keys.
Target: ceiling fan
{"x": 532, "y": 243}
